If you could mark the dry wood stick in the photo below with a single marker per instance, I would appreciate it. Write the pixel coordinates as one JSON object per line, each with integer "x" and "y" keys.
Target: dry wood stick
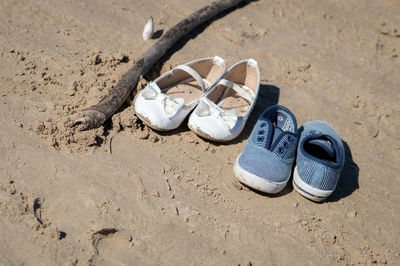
{"x": 95, "y": 116}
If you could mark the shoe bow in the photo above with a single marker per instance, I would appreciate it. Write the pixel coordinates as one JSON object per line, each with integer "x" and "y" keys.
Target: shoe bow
{"x": 171, "y": 105}
{"x": 227, "y": 117}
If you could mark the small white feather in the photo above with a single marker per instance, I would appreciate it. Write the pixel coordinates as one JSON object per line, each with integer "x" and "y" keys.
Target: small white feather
{"x": 148, "y": 29}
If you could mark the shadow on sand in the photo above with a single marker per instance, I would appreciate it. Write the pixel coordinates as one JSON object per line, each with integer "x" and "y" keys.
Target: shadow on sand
{"x": 348, "y": 181}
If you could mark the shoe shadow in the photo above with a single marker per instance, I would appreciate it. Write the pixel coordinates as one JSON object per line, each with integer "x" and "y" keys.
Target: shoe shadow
{"x": 348, "y": 181}
{"x": 288, "y": 188}
{"x": 267, "y": 96}
{"x": 157, "y": 34}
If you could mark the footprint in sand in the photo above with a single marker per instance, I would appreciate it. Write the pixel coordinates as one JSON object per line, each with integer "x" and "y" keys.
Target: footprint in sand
{"x": 110, "y": 246}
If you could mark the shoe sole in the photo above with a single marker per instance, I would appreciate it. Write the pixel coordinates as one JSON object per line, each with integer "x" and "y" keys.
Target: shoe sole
{"x": 308, "y": 191}
{"x": 257, "y": 182}
{"x": 147, "y": 123}
{"x": 206, "y": 136}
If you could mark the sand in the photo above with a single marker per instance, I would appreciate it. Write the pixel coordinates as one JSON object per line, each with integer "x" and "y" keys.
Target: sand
{"x": 126, "y": 195}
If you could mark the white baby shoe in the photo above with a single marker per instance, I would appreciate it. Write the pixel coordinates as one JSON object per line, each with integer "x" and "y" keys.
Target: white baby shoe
{"x": 165, "y": 102}
{"x": 223, "y": 111}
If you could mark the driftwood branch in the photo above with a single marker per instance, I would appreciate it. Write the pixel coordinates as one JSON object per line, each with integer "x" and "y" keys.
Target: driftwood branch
{"x": 95, "y": 116}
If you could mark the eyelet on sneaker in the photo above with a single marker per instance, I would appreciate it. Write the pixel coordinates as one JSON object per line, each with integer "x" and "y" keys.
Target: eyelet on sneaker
{"x": 261, "y": 132}
{"x": 285, "y": 144}
{"x": 261, "y": 166}
{"x": 260, "y": 139}
{"x": 290, "y": 138}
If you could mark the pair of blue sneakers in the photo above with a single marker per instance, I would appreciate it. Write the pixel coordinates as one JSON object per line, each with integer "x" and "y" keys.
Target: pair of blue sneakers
{"x": 267, "y": 160}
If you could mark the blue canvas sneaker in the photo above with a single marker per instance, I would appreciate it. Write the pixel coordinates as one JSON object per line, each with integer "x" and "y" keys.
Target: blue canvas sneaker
{"x": 320, "y": 160}
{"x": 267, "y": 160}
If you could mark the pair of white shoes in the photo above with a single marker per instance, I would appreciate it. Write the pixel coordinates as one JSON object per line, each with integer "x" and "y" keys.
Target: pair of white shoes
{"x": 222, "y": 100}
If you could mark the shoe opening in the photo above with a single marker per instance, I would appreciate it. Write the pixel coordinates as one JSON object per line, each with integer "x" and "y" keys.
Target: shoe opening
{"x": 321, "y": 148}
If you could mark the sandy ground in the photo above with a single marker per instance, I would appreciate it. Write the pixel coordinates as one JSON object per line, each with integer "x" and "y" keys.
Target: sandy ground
{"x": 123, "y": 194}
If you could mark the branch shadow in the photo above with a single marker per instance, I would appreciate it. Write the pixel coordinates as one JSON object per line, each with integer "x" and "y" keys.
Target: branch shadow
{"x": 348, "y": 181}
{"x": 155, "y": 70}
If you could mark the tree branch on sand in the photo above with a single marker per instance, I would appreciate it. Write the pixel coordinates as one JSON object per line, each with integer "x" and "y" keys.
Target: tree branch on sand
{"x": 95, "y": 116}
